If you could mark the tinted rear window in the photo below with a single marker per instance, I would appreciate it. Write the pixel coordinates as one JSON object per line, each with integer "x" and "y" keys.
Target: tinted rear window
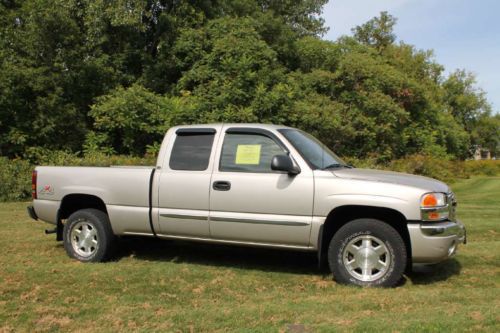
{"x": 191, "y": 151}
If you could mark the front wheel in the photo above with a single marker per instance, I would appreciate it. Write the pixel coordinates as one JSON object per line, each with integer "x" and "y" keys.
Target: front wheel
{"x": 367, "y": 252}
{"x": 88, "y": 236}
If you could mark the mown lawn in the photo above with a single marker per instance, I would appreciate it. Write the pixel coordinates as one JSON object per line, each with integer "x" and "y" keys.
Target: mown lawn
{"x": 183, "y": 287}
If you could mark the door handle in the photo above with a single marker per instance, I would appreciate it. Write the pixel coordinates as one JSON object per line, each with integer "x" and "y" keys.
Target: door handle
{"x": 221, "y": 185}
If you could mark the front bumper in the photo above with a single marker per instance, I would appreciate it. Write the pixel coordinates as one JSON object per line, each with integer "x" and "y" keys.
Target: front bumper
{"x": 435, "y": 242}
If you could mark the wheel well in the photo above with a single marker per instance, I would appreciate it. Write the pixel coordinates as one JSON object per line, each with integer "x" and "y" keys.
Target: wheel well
{"x": 73, "y": 202}
{"x": 344, "y": 214}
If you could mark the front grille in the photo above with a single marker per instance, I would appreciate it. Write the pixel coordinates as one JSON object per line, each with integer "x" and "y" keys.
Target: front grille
{"x": 452, "y": 203}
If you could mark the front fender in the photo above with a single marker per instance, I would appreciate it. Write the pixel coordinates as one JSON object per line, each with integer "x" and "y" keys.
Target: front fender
{"x": 406, "y": 208}
{"x": 332, "y": 192}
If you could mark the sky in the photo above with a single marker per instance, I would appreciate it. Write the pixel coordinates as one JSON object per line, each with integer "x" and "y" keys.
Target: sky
{"x": 464, "y": 34}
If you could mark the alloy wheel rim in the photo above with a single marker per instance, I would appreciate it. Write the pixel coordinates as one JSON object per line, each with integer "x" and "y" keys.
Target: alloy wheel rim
{"x": 366, "y": 258}
{"x": 84, "y": 238}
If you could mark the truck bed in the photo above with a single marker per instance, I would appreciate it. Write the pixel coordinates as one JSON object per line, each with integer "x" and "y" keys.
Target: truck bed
{"x": 124, "y": 191}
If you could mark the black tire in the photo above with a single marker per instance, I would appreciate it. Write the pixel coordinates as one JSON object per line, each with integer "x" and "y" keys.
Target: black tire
{"x": 357, "y": 244}
{"x": 97, "y": 240}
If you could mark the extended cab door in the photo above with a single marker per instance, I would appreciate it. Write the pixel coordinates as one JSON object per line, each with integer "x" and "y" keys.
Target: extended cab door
{"x": 184, "y": 182}
{"x": 249, "y": 202}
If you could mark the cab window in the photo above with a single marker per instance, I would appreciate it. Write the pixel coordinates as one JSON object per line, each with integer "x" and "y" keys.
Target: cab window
{"x": 191, "y": 151}
{"x": 247, "y": 152}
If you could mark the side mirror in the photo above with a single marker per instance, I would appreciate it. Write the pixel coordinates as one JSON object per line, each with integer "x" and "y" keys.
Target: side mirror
{"x": 284, "y": 163}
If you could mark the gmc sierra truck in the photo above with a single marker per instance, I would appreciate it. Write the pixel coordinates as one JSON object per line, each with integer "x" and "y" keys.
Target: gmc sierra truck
{"x": 255, "y": 185}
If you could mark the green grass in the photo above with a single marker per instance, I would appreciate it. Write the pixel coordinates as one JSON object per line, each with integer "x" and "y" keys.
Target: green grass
{"x": 178, "y": 287}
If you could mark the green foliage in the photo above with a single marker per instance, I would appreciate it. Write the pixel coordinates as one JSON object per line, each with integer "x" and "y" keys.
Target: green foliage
{"x": 99, "y": 82}
{"x": 109, "y": 77}
{"x": 126, "y": 120}
{"x": 483, "y": 167}
{"x": 15, "y": 174}
{"x": 486, "y": 133}
{"x": 434, "y": 167}
{"x": 447, "y": 170}
{"x": 377, "y": 32}
{"x": 41, "y": 156}
{"x": 465, "y": 101}
{"x": 232, "y": 69}
{"x": 15, "y": 179}
{"x": 316, "y": 54}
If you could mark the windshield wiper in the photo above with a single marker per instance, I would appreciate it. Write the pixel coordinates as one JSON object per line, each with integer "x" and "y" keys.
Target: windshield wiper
{"x": 336, "y": 166}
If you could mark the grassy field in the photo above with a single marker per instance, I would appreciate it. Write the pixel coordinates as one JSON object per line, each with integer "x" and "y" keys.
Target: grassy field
{"x": 183, "y": 287}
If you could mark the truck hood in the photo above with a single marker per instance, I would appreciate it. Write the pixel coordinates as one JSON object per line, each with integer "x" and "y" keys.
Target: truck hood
{"x": 425, "y": 183}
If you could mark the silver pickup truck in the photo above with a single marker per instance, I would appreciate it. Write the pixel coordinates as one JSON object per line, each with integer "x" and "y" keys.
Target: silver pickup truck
{"x": 255, "y": 185}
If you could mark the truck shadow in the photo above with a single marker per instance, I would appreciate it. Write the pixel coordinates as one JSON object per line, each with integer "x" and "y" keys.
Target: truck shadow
{"x": 427, "y": 274}
{"x": 272, "y": 260}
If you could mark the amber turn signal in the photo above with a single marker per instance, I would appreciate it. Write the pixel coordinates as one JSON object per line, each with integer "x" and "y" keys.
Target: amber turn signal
{"x": 429, "y": 200}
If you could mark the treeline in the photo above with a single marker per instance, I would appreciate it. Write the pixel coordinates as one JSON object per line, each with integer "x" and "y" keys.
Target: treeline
{"x": 110, "y": 76}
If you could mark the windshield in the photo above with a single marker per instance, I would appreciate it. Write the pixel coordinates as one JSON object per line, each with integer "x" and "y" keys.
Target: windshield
{"x": 317, "y": 155}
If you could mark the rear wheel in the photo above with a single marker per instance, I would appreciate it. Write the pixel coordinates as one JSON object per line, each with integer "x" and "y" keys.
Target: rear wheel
{"x": 367, "y": 252}
{"x": 88, "y": 236}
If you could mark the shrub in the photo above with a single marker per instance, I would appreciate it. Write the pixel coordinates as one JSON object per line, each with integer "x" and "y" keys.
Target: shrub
{"x": 15, "y": 174}
{"x": 441, "y": 168}
{"x": 483, "y": 167}
{"x": 434, "y": 167}
{"x": 40, "y": 156}
{"x": 364, "y": 163}
{"x": 15, "y": 179}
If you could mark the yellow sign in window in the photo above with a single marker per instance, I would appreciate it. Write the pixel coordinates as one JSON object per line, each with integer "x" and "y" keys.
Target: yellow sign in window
{"x": 247, "y": 154}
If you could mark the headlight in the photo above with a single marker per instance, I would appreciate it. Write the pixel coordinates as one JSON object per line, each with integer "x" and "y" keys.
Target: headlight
{"x": 431, "y": 200}
{"x": 434, "y": 207}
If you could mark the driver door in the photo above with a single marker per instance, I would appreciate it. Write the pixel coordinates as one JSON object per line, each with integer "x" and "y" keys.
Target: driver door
{"x": 249, "y": 202}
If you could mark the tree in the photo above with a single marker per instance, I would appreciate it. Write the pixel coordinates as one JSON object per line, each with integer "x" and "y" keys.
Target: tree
{"x": 111, "y": 76}
{"x": 465, "y": 101}
{"x": 58, "y": 57}
{"x": 128, "y": 120}
{"x": 486, "y": 133}
{"x": 377, "y": 32}
{"x": 229, "y": 64}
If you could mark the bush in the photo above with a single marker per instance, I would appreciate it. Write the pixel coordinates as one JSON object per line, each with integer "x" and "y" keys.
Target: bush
{"x": 434, "y": 167}
{"x": 364, "y": 163}
{"x": 15, "y": 175}
{"x": 441, "y": 168}
{"x": 15, "y": 179}
{"x": 38, "y": 156}
{"x": 484, "y": 167}
{"x": 424, "y": 165}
